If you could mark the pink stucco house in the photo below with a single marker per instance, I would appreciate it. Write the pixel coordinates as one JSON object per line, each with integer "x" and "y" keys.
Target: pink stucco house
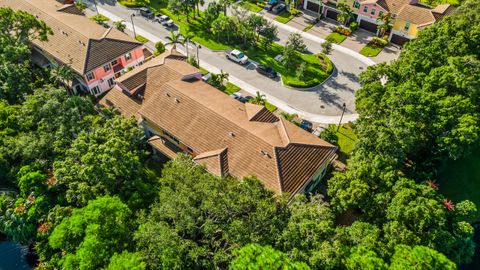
{"x": 97, "y": 54}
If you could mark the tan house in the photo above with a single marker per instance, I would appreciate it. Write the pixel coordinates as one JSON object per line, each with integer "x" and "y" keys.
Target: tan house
{"x": 97, "y": 54}
{"x": 181, "y": 113}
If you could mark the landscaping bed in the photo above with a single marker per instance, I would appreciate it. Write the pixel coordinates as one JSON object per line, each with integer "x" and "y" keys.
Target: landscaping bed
{"x": 142, "y": 39}
{"x": 371, "y": 50}
{"x": 253, "y": 7}
{"x": 284, "y": 17}
{"x": 336, "y": 38}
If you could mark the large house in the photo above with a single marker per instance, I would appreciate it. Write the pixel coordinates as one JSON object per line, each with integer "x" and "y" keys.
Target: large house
{"x": 182, "y": 114}
{"x": 97, "y": 54}
{"x": 409, "y": 15}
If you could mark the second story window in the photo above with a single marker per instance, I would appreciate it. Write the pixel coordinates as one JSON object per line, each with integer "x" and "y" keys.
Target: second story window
{"x": 407, "y": 26}
{"x": 380, "y": 14}
{"x": 356, "y": 4}
{"x": 365, "y": 9}
{"x": 373, "y": 11}
{"x": 114, "y": 62}
{"x": 128, "y": 56}
{"x": 90, "y": 76}
{"x": 107, "y": 67}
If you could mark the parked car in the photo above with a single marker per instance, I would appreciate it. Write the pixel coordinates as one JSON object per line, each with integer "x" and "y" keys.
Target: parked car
{"x": 270, "y": 4}
{"x": 238, "y": 96}
{"x": 306, "y": 125}
{"x": 278, "y": 8}
{"x": 237, "y": 56}
{"x": 164, "y": 20}
{"x": 266, "y": 71}
{"x": 147, "y": 13}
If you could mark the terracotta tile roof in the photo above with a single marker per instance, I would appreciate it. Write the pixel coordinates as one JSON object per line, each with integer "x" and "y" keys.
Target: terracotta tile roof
{"x": 416, "y": 14}
{"x": 393, "y": 6}
{"x": 227, "y": 136}
{"x": 441, "y": 11}
{"x": 166, "y": 147}
{"x": 76, "y": 40}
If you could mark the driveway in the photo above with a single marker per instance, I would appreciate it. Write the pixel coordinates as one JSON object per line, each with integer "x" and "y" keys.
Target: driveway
{"x": 320, "y": 104}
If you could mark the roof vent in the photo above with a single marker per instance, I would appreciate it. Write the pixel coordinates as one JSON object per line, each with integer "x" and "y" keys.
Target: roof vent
{"x": 177, "y": 100}
{"x": 231, "y": 134}
{"x": 265, "y": 154}
{"x": 168, "y": 95}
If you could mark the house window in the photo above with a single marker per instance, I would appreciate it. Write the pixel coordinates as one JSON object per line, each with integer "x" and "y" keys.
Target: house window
{"x": 128, "y": 56}
{"x": 110, "y": 82}
{"x": 407, "y": 26}
{"x": 96, "y": 90}
{"x": 90, "y": 76}
{"x": 356, "y": 4}
{"x": 380, "y": 14}
{"x": 114, "y": 62}
{"x": 365, "y": 9}
{"x": 107, "y": 67}
{"x": 171, "y": 137}
{"x": 373, "y": 11}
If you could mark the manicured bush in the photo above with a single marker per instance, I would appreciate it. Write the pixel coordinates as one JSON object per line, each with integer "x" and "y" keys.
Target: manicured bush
{"x": 379, "y": 42}
{"x": 159, "y": 48}
{"x": 343, "y": 30}
{"x": 353, "y": 26}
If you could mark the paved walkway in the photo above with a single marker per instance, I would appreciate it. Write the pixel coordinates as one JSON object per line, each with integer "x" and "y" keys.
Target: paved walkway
{"x": 322, "y": 105}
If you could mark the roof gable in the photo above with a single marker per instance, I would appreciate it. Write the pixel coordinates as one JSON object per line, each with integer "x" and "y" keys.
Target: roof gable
{"x": 105, "y": 50}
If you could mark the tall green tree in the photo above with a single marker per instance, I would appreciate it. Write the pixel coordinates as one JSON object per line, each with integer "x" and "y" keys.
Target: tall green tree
{"x": 254, "y": 256}
{"x": 419, "y": 257}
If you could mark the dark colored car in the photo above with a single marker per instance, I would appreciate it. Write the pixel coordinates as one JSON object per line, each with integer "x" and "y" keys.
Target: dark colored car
{"x": 266, "y": 71}
{"x": 270, "y": 4}
{"x": 278, "y": 9}
{"x": 306, "y": 125}
{"x": 147, "y": 13}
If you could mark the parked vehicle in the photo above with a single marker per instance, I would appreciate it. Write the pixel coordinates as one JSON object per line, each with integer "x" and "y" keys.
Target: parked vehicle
{"x": 147, "y": 13}
{"x": 306, "y": 125}
{"x": 266, "y": 71}
{"x": 238, "y": 96}
{"x": 270, "y": 4}
{"x": 278, "y": 8}
{"x": 164, "y": 20}
{"x": 237, "y": 56}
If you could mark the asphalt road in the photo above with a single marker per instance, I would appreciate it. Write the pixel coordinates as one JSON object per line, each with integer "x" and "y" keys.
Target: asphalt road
{"x": 324, "y": 100}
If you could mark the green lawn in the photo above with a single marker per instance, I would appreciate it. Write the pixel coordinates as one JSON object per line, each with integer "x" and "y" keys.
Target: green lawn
{"x": 336, "y": 38}
{"x": 308, "y": 27}
{"x": 133, "y": 3}
{"x": 142, "y": 39}
{"x": 252, "y": 6}
{"x": 371, "y": 50}
{"x": 346, "y": 141}
{"x": 460, "y": 179}
{"x": 270, "y": 106}
{"x": 229, "y": 88}
{"x": 284, "y": 17}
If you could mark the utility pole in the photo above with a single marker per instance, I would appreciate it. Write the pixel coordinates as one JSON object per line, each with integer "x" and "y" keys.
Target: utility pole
{"x": 133, "y": 25}
{"x": 343, "y": 111}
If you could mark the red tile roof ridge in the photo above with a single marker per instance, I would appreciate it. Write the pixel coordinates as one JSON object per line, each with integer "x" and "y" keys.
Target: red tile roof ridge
{"x": 210, "y": 153}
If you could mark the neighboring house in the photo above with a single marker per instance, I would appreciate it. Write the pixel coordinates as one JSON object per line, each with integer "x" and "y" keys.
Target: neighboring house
{"x": 182, "y": 114}
{"x": 98, "y": 55}
{"x": 408, "y": 15}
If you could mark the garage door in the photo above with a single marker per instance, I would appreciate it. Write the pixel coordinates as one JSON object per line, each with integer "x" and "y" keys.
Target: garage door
{"x": 371, "y": 27}
{"x": 313, "y": 6}
{"x": 399, "y": 40}
{"x": 332, "y": 14}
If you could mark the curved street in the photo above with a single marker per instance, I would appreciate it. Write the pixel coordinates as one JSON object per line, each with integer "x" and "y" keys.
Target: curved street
{"x": 322, "y": 104}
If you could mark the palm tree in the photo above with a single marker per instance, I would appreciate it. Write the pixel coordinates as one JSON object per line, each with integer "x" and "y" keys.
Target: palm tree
{"x": 346, "y": 13}
{"x": 386, "y": 25}
{"x": 259, "y": 99}
{"x": 120, "y": 25}
{"x": 62, "y": 75}
{"x": 186, "y": 41}
{"x": 222, "y": 77}
{"x": 174, "y": 39}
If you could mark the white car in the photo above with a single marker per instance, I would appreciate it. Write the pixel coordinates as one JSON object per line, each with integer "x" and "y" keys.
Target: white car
{"x": 164, "y": 20}
{"x": 237, "y": 56}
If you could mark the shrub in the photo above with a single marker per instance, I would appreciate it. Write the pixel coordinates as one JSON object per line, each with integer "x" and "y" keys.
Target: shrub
{"x": 379, "y": 42}
{"x": 330, "y": 134}
{"x": 353, "y": 26}
{"x": 159, "y": 48}
{"x": 343, "y": 30}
